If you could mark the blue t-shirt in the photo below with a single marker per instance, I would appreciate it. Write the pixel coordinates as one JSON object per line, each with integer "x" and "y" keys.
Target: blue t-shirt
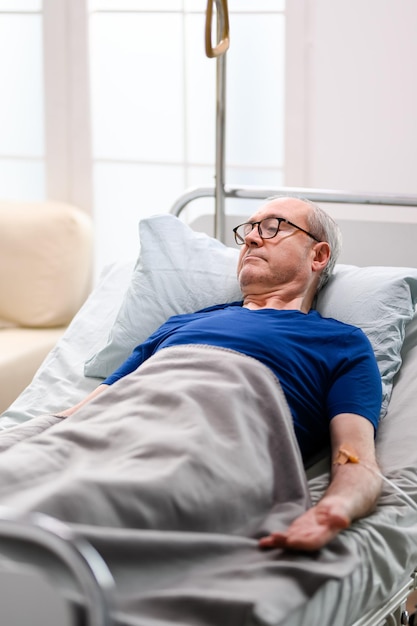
{"x": 325, "y": 367}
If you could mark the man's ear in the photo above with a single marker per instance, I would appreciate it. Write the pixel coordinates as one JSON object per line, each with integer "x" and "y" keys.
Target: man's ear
{"x": 321, "y": 256}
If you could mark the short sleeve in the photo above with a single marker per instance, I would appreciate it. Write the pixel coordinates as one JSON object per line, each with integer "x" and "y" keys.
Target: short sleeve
{"x": 356, "y": 384}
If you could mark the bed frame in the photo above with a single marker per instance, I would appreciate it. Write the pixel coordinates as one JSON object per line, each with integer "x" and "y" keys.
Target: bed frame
{"x": 370, "y": 244}
{"x": 75, "y": 558}
{"x": 93, "y": 583}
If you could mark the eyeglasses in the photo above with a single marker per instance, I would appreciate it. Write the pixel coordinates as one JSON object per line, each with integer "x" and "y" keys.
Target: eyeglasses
{"x": 267, "y": 229}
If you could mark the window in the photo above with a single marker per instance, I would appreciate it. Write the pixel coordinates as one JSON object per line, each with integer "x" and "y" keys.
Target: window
{"x": 22, "y": 150}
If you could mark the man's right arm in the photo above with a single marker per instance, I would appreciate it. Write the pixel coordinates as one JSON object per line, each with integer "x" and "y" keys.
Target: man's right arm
{"x": 141, "y": 353}
{"x": 96, "y": 392}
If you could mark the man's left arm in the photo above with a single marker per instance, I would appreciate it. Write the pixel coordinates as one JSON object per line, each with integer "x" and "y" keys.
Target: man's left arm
{"x": 352, "y": 493}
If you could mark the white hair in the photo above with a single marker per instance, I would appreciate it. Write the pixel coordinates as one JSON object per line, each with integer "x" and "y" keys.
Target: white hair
{"x": 326, "y": 229}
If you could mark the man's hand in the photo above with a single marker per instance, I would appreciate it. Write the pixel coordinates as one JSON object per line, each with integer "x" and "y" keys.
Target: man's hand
{"x": 353, "y": 491}
{"x": 312, "y": 530}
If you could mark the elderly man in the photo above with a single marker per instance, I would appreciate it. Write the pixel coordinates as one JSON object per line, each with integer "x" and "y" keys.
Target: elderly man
{"x": 327, "y": 369}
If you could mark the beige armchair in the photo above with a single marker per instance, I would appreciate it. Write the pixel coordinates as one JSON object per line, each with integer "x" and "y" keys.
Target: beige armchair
{"x": 45, "y": 276}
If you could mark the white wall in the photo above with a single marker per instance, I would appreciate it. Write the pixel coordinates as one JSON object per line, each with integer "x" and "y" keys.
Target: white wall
{"x": 351, "y": 102}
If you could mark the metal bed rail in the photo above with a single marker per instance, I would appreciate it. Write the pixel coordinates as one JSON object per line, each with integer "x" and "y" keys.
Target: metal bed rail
{"x": 85, "y": 564}
{"x": 394, "y": 611}
{"x": 315, "y": 195}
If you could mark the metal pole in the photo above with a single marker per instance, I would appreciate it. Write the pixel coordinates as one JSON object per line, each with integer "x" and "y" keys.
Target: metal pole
{"x": 219, "y": 52}
{"x": 219, "y": 215}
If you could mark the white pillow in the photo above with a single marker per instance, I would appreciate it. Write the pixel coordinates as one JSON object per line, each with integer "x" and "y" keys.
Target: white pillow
{"x": 381, "y": 301}
{"x": 180, "y": 271}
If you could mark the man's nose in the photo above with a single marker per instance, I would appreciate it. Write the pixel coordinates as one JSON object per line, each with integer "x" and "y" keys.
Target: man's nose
{"x": 253, "y": 237}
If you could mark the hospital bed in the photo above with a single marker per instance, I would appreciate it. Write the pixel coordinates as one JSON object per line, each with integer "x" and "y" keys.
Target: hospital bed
{"x": 50, "y": 568}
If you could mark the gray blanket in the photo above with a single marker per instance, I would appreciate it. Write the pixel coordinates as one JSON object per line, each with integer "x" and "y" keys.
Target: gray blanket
{"x": 172, "y": 474}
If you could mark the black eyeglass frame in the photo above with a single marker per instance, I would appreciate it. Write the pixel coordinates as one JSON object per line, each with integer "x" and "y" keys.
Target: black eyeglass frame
{"x": 240, "y": 240}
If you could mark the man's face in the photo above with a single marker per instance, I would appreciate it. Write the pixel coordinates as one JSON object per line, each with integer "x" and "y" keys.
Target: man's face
{"x": 268, "y": 264}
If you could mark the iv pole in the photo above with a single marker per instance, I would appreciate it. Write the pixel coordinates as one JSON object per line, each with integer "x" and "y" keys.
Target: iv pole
{"x": 219, "y": 53}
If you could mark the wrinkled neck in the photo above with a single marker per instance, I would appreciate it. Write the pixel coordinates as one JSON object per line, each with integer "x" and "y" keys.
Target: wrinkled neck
{"x": 301, "y": 303}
